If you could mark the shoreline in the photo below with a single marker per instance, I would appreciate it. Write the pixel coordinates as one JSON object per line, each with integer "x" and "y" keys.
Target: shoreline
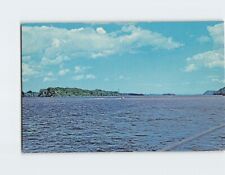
{"x": 128, "y": 96}
{"x": 67, "y": 92}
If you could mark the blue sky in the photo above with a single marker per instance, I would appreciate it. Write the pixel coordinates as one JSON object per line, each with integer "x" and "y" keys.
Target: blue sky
{"x": 144, "y": 57}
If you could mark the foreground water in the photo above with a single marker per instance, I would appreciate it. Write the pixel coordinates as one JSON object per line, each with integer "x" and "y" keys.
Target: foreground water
{"x": 89, "y": 124}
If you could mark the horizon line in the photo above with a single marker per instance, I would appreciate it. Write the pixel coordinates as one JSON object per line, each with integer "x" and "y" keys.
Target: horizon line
{"x": 154, "y": 93}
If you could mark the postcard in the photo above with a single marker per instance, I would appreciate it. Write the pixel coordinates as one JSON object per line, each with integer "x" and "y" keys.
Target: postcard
{"x": 122, "y": 86}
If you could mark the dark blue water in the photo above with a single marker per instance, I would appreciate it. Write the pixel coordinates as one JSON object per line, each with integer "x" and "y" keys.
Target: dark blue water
{"x": 82, "y": 124}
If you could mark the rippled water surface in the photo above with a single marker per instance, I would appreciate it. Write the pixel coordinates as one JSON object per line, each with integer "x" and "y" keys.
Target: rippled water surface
{"x": 89, "y": 124}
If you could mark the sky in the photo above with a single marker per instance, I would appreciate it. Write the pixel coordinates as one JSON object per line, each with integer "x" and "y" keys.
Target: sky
{"x": 138, "y": 57}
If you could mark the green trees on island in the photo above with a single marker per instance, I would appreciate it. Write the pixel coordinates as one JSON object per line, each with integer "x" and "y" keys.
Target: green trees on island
{"x": 59, "y": 91}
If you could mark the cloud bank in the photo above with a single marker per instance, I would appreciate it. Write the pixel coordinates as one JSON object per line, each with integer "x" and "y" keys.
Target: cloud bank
{"x": 54, "y": 45}
{"x": 44, "y": 46}
{"x": 211, "y": 58}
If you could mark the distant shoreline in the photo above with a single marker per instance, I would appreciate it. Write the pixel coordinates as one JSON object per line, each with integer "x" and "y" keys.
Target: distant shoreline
{"x": 67, "y": 92}
{"x": 78, "y": 92}
{"x": 128, "y": 96}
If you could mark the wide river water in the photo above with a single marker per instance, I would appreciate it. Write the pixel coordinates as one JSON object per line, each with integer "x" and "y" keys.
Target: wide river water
{"x": 93, "y": 124}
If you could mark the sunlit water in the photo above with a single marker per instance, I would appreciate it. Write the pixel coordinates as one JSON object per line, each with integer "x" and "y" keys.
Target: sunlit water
{"x": 90, "y": 124}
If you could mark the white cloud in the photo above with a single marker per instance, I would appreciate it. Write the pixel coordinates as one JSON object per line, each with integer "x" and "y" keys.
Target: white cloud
{"x": 56, "y": 60}
{"x": 78, "y": 77}
{"x": 55, "y": 45}
{"x": 63, "y": 72}
{"x": 28, "y": 70}
{"x": 211, "y": 58}
{"x": 190, "y": 68}
{"x": 217, "y": 33}
{"x": 90, "y": 76}
{"x": 49, "y": 77}
{"x": 84, "y": 77}
{"x": 122, "y": 77}
{"x": 55, "y": 42}
{"x": 80, "y": 69}
{"x": 203, "y": 39}
{"x": 100, "y": 30}
{"x": 102, "y": 54}
{"x": 81, "y": 73}
{"x": 139, "y": 37}
{"x": 217, "y": 78}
